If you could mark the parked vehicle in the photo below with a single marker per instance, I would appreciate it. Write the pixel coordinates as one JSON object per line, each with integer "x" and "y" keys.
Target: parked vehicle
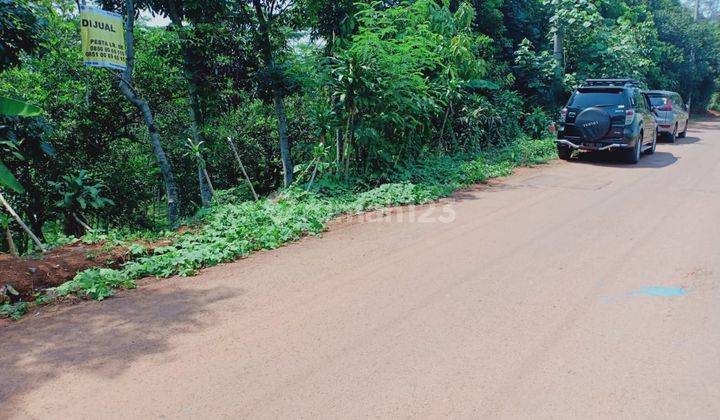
{"x": 672, "y": 114}
{"x": 608, "y": 114}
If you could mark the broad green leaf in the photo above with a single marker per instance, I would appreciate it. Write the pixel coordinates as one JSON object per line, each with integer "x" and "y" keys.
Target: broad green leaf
{"x": 7, "y": 179}
{"x": 13, "y": 107}
{"x": 483, "y": 84}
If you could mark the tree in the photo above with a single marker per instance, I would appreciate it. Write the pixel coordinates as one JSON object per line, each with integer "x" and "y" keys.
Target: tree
{"x": 197, "y": 13}
{"x": 333, "y": 21}
{"x": 127, "y": 89}
{"x": 19, "y": 29}
{"x": 9, "y": 108}
{"x": 264, "y": 18}
{"x": 83, "y": 124}
{"x": 691, "y": 53}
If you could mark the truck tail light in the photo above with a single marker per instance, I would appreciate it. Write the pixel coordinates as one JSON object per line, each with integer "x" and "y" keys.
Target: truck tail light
{"x": 629, "y": 116}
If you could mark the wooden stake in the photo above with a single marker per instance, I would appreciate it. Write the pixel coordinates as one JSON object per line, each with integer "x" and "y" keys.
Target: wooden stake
{"x": 207, "y": 178}
{"x": 314, "y": 172}
{"x": 21, "y": 223}
{"x": 11, "y": 244}
{"x": 83, "y": 224}
{"x": 242, "y": 167}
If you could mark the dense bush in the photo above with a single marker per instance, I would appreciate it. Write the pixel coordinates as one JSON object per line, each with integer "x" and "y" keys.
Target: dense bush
{"x": 715, "y": 102}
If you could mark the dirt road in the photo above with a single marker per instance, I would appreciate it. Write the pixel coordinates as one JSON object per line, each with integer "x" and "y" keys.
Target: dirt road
{"x": 574, "y": 290}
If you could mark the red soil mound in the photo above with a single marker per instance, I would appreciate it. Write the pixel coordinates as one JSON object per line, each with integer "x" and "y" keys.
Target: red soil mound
{"x": 55, "y": 267}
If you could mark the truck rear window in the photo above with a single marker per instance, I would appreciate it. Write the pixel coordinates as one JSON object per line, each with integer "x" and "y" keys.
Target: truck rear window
{"x": 658, "y": 100}
{"x": 584, "y": 99}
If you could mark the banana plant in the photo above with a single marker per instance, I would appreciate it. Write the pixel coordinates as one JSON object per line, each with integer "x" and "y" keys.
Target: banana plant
{"x": 319, "y": 164}
{"x": 79, "y": 195}
{"x": 14, "y": 108}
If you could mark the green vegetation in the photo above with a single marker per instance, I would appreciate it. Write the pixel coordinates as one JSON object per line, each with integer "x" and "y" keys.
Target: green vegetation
{"x": 333, "y": 106}
{"x": 229, "y": 231}
{"x": 94, "y": 283}
{"x": 14, "y": 311}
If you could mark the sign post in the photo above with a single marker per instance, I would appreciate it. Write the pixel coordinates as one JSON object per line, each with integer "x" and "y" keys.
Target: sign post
{"x": 103, "y": 39}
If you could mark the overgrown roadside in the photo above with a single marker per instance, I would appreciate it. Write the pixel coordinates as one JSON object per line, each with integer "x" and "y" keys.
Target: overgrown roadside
{"x": 231, "y": 230}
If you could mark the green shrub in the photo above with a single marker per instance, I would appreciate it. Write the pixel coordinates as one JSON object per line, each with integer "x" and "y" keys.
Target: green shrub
{"x": 715, "y": 102}
{"x": 13, "y": 310}
{"x": 94, "y": 283}
{"x": 535, "y": 123}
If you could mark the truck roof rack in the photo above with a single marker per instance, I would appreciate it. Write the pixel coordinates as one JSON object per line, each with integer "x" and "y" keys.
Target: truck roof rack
{"x": 611, "y": 82}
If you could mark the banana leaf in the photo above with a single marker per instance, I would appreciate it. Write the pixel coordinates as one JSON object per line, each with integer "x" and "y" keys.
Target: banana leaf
{"x": 14, "y": 108}
{"x": 8, "y": 180}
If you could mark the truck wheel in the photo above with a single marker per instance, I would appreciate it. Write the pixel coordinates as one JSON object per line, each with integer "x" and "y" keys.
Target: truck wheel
{"x": 651, "y": 150}
{"x": 684, "y": 132}
{"x": 633, "y": 155}
{"x": 564, "y": 152}
{"x": 673, "y": 135}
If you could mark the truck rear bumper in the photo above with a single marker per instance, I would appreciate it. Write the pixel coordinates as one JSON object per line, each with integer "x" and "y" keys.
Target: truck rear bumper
{"x": 666, "y": 128}
{"x": 593, "y": 146}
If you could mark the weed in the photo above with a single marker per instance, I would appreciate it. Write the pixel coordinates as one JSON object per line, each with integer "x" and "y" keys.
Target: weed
{"x": 94, "y": 283}
{"x": 13, "y": 310}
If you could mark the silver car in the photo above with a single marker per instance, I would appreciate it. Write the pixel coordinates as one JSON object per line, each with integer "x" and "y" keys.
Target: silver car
{"x": 671, "y": 113}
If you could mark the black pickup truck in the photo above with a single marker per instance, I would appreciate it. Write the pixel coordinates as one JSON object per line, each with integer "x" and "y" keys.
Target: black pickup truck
{"x": 608, "y": 114}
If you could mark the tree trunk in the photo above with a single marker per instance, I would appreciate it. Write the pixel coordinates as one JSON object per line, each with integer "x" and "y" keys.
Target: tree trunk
{"x": 165, "y": 168}
{"x": 278, "y": 95}
{"x": 696, "y": 16}
{"x": 196, "y": 117}
{"x": 349, "y": 136}
{"x": 35, "y": 211}
{"x": 206, "y": 189}
{"x": 284, "y": 142}
{"x": 442, "y": 127}
{"x": 127, "y": 90}
{"x": 338, "y": 148}
{"x": 558, "y": 49}
{"x": 203, "y": 168}
{"x": 71, "y": 227}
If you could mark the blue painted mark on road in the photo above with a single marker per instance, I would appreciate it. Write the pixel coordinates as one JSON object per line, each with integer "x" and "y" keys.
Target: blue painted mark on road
{"x": 661, "y": 291}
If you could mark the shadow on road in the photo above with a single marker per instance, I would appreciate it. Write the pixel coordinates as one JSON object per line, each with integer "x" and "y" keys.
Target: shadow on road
{"x": 680, "y": 142}
{"x": 471, "y": 193}
{"x": 657, "y": 160}
{"x": 705, "y": 124}
{"x": 105, "y": 341}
